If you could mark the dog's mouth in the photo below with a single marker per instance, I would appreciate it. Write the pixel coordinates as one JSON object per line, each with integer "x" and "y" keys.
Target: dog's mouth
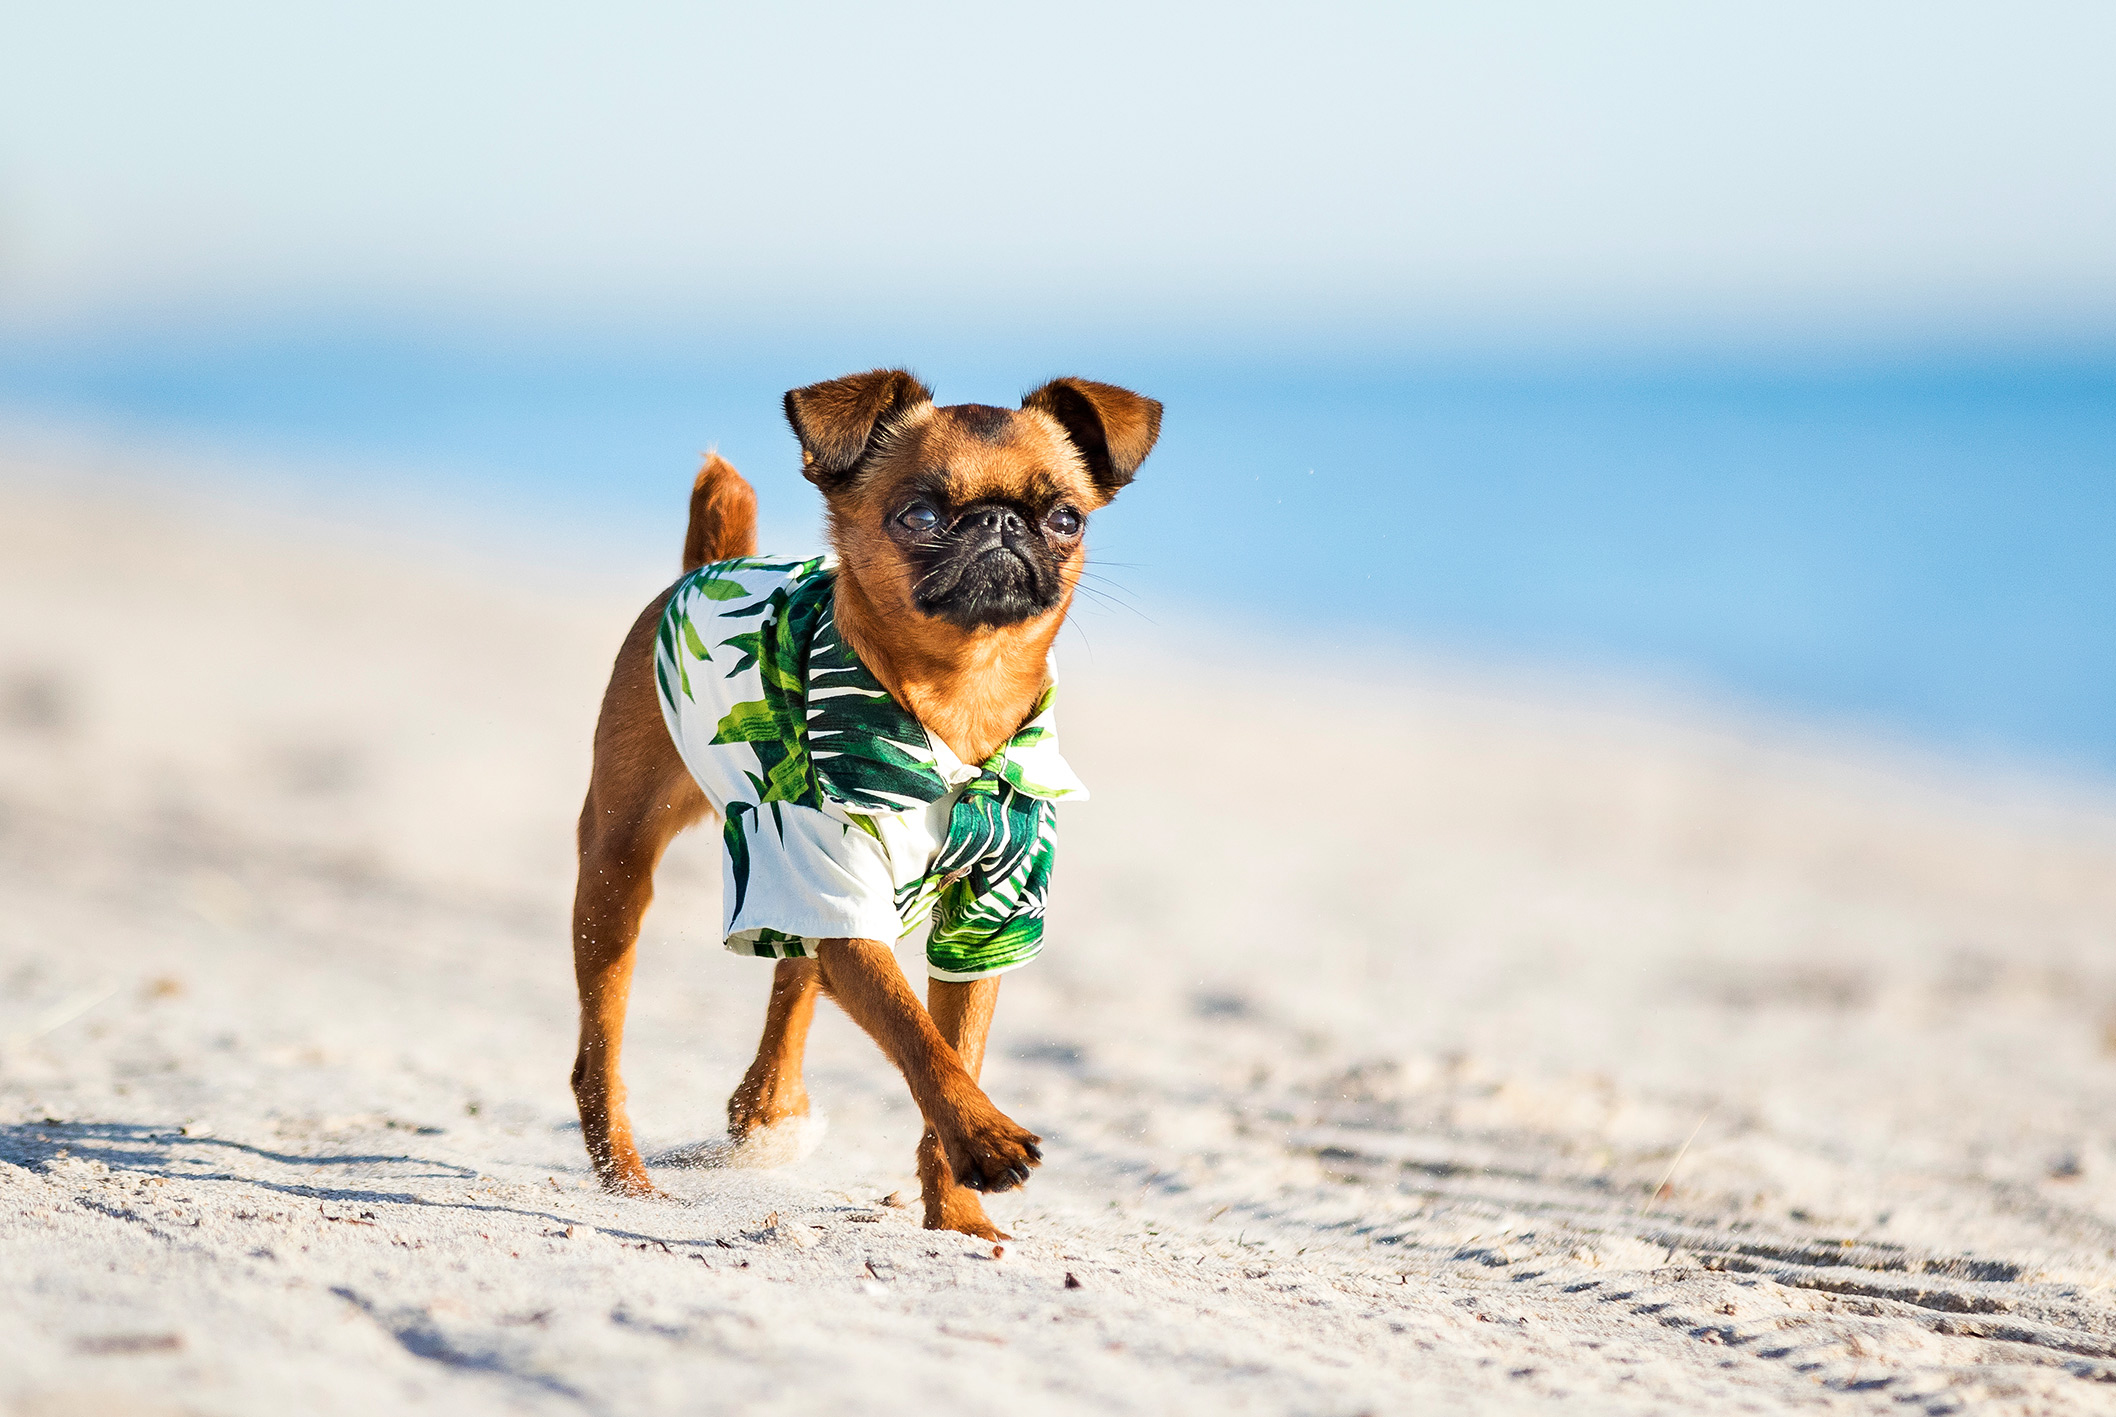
{"x": 988, "y": 581}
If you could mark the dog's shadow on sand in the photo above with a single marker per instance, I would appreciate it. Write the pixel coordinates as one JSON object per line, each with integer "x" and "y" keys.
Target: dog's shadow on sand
{"x": 167, "y": 1153}
{"x": 152, "y": 1150}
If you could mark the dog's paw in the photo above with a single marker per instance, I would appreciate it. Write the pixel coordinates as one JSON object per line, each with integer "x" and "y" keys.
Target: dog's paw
{"x": 961, "y": 1212}
{"x": 992, "y": 1154}
{"x": 762, "y": 1105}
{"x": 633, "y": 1184}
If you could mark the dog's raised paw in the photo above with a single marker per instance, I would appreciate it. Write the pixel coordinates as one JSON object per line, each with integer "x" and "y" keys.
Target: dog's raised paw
{"x": 995, "y": 1157}
{"x": 762, "y": 1149}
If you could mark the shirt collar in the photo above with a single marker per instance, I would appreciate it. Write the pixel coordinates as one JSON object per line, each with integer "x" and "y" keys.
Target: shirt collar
{"x": 873, "y": 755}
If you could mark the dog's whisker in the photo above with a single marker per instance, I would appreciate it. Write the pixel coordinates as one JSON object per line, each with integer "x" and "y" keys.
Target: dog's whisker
{"x": 1103, "y": 598}
{"x": 1072, "y": 623}
{"x": 1105, "y": 585}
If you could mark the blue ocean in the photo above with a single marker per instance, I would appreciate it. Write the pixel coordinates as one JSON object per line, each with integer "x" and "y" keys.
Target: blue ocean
{"x": 1916, "y": 545}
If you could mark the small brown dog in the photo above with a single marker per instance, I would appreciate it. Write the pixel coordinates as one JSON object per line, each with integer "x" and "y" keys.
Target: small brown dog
{"x": 891, "y": 759}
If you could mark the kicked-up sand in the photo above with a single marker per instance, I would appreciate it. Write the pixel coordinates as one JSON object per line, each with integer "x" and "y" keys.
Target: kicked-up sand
{"x": 1404, "y": 1042}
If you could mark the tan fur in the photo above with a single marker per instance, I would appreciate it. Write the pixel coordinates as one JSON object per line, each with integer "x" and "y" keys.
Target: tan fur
{"x": 867, "y": 441}
{"x": 962, "y": 1011}
{"x": 723, "y": 514}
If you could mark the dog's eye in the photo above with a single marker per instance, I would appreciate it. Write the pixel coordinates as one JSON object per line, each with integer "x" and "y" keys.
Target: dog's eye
{"x": 1064, "y": 521}
{"x": 918, "y": 517}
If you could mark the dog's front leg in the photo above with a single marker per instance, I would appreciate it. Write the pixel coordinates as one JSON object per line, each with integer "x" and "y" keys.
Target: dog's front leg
{"x": 962, "y": 1011}
{"x": 771, "y": 1091}
{"x": 984, "y": 1149}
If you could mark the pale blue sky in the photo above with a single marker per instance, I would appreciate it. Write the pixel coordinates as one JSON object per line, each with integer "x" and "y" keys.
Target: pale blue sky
{"x": 1510, "y": 166}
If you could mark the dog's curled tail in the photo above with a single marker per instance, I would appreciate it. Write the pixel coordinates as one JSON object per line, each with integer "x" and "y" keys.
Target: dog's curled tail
{"x": 723, "y": 516}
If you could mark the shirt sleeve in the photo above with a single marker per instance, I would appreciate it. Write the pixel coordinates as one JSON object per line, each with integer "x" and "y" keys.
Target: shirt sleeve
{"x": 795, "y": 871}
{"x": 990, "y": 917}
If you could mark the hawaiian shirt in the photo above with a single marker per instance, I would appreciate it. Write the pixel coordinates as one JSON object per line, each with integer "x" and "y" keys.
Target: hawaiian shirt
{"x": 842, "y": 816}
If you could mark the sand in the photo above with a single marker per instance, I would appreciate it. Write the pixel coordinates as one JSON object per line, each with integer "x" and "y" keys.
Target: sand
{"x": 1409, "y": 1040}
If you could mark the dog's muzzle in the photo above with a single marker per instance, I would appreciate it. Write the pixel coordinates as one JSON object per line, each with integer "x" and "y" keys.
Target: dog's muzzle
{"x": 993, "y": 571}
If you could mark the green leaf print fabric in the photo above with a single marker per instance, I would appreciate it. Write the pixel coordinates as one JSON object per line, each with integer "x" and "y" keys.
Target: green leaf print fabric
{"x": 842, "y": 816}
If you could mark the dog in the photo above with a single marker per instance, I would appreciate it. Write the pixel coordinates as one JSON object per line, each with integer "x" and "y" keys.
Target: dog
{"x": 877, "y": 738}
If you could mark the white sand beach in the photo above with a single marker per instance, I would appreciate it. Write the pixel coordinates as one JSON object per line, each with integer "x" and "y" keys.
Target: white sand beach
{"x": 1405, "y": 1042}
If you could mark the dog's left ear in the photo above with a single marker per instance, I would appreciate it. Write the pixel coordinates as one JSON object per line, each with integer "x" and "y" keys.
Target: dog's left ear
{"x": 1113, "y": 428}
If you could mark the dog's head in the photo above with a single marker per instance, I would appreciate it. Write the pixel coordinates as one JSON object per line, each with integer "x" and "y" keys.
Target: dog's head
{"x": 968, "y": 515}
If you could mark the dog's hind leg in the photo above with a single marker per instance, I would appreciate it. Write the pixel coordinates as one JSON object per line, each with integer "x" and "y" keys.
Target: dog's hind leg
{"x": 771, "y": 1091}
{"x": 962, "y": 1011}
{"x": 639, "y": 797}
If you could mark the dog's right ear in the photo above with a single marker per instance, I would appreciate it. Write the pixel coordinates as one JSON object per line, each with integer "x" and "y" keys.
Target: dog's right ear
{"x": 838, "y": 421}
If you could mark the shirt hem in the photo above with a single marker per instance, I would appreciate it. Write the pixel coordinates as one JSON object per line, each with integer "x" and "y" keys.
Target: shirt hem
{"x": 934, "y": 971}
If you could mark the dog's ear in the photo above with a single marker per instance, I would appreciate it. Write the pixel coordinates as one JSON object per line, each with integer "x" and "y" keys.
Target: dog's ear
{"x": 1113, "y": 428}
{"x": 838, "y": 420}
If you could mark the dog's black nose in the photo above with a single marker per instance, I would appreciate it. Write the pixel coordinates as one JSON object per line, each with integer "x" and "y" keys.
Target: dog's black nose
{"x": 998, "y": 520}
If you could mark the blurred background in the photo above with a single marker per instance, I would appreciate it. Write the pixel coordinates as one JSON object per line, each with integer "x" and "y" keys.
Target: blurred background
{"x": 1764, "y": 354}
